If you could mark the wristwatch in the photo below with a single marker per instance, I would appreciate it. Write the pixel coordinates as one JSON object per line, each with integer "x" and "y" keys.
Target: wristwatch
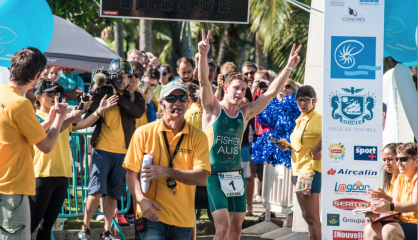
{"x": 291, "y": 69}
{"x": 392, "y": 207}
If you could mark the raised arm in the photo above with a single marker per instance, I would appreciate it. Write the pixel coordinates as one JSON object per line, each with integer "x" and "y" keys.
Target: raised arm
{"x": 206, "y": 91}
{"x": 254, "y": 108}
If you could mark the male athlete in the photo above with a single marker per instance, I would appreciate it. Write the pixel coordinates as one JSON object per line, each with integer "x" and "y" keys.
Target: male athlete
{"x": 224, "y": 123}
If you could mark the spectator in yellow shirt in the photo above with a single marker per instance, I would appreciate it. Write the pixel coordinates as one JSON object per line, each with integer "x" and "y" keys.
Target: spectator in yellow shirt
{"x": 19, "y": 131}
{"x": 180, "y": 157}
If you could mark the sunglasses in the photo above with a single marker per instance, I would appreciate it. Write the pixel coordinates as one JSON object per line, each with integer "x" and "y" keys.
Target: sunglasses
{"x": 52, "y": 94}
{"x": 288, "y": 86}
{"x": 304, "y": 100}
{"x": 165, "y": 73}
{"x": 249, "y": 73}
{"x": 173, "y": 98}
{"x": 402, "y": 159}
{"x": 137, "y": 75}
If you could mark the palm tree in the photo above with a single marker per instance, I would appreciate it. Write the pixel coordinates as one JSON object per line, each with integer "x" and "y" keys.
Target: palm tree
{"x": 280, "y": 25}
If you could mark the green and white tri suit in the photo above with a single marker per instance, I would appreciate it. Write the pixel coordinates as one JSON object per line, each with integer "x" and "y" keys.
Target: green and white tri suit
{"x": 225, "y": 136}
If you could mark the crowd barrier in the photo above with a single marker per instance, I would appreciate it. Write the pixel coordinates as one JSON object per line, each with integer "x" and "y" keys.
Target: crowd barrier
{"x": 277, "y": 191}
{"x": 74, "y": 205}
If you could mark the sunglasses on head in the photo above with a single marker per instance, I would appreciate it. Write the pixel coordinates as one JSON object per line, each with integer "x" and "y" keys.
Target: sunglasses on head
{"x": 52, "y": 94}
{"x": 249, "y": 73}
{"x": 402, "y": 159}
{"x": 173, "y": 98}
{"x": 165, "y": 73}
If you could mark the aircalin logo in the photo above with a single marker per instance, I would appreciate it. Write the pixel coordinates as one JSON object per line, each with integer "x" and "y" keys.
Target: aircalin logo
{"x": 351, "y": 108}
{"x": 336, "y": 151}
{"x": 353, "y": 17}
{"x": 349, "y": 172}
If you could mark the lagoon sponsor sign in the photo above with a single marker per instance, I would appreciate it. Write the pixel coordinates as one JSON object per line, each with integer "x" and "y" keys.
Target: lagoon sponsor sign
{"x": 352, "y": 115}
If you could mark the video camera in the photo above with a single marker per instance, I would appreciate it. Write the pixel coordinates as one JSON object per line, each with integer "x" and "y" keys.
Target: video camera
{"x": 105, "y": 82}
{"x": 106, "y": 79}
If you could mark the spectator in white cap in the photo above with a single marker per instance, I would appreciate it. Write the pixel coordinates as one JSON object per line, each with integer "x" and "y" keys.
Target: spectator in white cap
{"x": 180, "y": 161}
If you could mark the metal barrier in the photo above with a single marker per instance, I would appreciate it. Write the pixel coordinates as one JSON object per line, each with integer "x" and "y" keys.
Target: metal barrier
{"x": 80, "y": 181}
{"x": 277, "y": 190}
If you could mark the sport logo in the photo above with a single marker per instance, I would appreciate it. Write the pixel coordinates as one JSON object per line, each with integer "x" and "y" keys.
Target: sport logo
{"x": 353, "y": 57}
{"x": 333, "y": 219}
{"x": 351, "y": 108}
{"x": 353, "y": 17}
{"x": 336, "y": 151}
{"x": 365, "y": 153}
{"x": 344, "y": 235}
{"x": 357, "y": 187}
{"x": 349, "y": 204}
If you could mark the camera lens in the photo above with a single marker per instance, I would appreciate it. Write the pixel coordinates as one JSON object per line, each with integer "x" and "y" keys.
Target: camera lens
{"x": 262, "y": 85}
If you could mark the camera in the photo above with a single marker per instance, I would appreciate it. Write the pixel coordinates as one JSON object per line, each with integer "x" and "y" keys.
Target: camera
{"x": 100, "y": 77}
{"x": 262, "y": 85}
{"x": 81, "y": 98}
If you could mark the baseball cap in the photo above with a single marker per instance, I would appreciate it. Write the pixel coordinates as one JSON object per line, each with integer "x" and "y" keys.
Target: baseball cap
{"x": 46, "y": 85}
{"x": 170, "y": 87}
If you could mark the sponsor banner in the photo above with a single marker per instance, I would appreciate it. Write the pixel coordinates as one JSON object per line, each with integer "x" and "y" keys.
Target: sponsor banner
{"x": 352, "y": 116}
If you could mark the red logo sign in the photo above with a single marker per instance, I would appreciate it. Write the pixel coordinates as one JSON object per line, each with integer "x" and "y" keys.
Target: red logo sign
{"x": 349, "y": 203}
{"x": 331, "y": 171}
{"x": 110, "y": 13}
{"x": 344, "y": 235}
{"x": 342, "y": 187}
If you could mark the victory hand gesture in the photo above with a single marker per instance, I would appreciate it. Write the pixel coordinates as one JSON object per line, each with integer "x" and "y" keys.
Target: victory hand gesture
{"x": 294, "y": 58}
{"x": 204, "y": 45}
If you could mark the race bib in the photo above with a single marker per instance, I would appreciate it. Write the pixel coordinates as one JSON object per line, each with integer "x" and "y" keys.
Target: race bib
{"x": 232, "y": 184}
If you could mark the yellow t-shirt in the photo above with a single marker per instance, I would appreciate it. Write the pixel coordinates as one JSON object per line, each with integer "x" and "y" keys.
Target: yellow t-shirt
{"x": 193, "y": 116}
{"x": 389, "y": 191}
{"x": 302, "y": 160}
{"x": 177, "y": 210}
{"x": 157, "y": 92}
{"x": 112, "y": 137}
{"x": 405, "y": 191}
{"x": 20, "y": 129}
{"x": 57, "y": 163}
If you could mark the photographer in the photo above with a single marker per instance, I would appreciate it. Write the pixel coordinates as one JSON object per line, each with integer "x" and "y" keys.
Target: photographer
{"x": 110, "y": 139}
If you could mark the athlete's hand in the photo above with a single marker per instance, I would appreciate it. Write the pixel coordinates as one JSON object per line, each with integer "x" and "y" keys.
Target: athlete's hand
{"x": 147, "y": 208}
{"x": 154, "y": 172}
{"x": 294, "y": 59}
{"x": 204, "y": 45}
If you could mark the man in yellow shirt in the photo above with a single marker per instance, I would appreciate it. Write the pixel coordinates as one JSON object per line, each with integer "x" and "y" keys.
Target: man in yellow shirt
{"x": 179, "y": 157}
{"x": 20, "y": 130}
{"x": 110, "y": 139}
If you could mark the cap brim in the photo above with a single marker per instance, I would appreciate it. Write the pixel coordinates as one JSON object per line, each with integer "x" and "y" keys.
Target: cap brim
{"x": 172, "y": 90}
{"x": 57, "y": 88}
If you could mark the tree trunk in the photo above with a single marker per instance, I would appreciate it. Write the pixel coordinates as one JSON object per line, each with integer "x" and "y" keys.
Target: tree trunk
{"x": 179, "y": 48}
{"x": 260, "y": 54}
{"x": 145, "y": 35}
{"x": 118, "y": 31}
{"x": 224, "y": 46}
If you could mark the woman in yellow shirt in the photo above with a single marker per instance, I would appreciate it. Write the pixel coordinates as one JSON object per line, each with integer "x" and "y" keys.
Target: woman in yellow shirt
{"x": 194, "y": 113}
{"x": 306, "y": 156}
{"x": 404, "y": 201}
{"x": 52, "y": 170}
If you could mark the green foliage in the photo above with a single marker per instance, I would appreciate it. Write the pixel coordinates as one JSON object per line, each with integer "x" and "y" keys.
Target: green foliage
{"x": 280, "y": 25}
{"x": 80, "y": 12}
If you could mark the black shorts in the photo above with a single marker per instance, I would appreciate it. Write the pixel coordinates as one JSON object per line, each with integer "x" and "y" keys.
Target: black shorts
{"x": 409, "y": 229}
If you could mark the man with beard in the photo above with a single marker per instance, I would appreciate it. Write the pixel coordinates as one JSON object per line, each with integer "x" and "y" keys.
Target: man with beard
{"x": 185, "y": 70}
{"x": 224, "y": 123}
{"x": 110, "y": 139}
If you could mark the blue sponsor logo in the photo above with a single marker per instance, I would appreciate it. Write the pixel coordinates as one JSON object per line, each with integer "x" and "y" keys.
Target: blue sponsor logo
{"x": 353, "y": 57}
{"x": 369, "y": 2}
{"x": 365, "y": 153}
{"x": 357, "y": 187}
